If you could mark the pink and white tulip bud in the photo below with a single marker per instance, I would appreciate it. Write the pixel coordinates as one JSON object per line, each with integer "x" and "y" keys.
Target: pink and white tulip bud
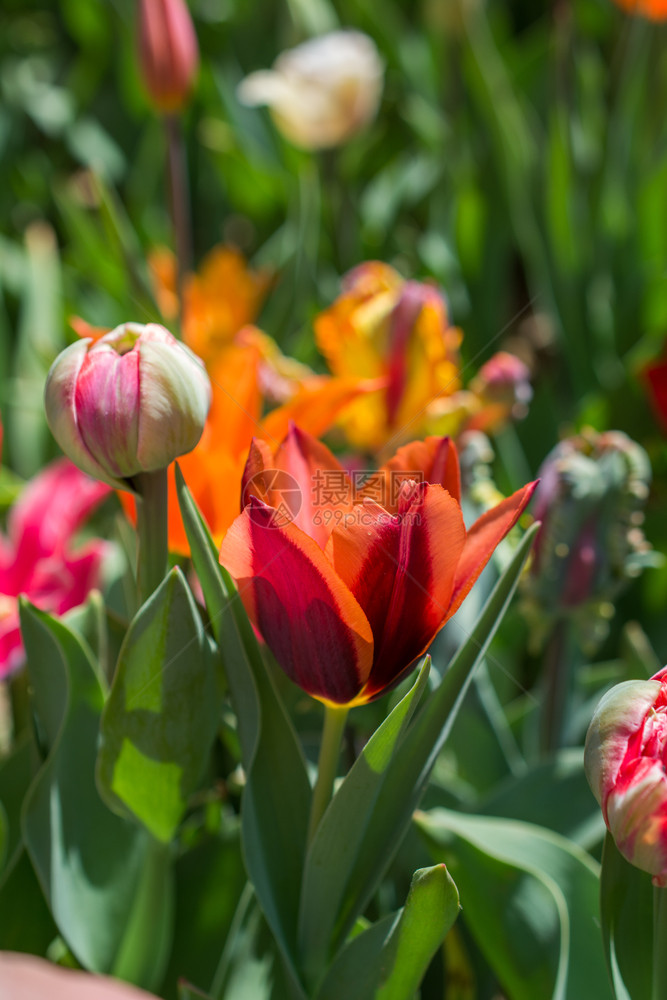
{"x": 322, "y": 92}
{"x": 625, "y": 757}
{"x": 128, "y": 403}
{"x": 168, "y": 52}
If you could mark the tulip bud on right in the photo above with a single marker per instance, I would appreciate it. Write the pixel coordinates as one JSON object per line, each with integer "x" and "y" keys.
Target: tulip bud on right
{"x": 624, "y": 758}
{"x": 593, "y": 488}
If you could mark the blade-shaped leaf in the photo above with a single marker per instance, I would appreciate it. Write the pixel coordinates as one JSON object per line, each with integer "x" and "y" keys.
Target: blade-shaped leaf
{"x": 161, "y": 717}
{"x": 276, "y": 798}
{"x": 39, "y": 338}
{"x": 16, "y": 772}
{"x": 4, "y": 837}
{"x": 406, "y": 776}
{"x": 626, "y": 910}
{"x": 335, "y": 846}
{"x": 100, "y": 874}
{"x": 530, "y": 898}
{"x": 553, "y": 793}
{"x": 430, "y": 910}
{"x": 25, "y": 921}
{"x": 357, "y": 969}
{"x": 209, "y": 879}
{"x": 388, "y": 960}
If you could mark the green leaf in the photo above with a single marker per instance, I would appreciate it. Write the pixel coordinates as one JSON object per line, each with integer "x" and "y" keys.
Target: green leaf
{"x": 25, "y": 921}
{"x": 357, "y": 969}
{"x": 16, "y": 773}
{"x": 38, "y": 342}
{"x": 4, "y": 836}
{"x": 93, "y": 623}
{"x": 626, "y": 910}
{"x": 553, "y": 793}
{"x": 162, "y": 713}
{"x": 332, "y": 854}
{"x": 388, "y": 960}
{"x": 209, "y": 879}
{"x": 103, "y": 878}
{"x": 405, "y": 779}
{"x": 276, "y": 798}
{"x": 430, "y": 910}
{"x": 530, "y": 899}
{"x": 245, "y": 969}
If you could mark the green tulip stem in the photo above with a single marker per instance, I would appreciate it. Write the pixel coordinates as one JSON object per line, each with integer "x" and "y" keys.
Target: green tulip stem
{"x": 659, "y": 943}
{"x": 327, "y": 765}
{"x": 152, "y": 531}
{"x": 179, "y": 201}
{"x": 561, "y": 659}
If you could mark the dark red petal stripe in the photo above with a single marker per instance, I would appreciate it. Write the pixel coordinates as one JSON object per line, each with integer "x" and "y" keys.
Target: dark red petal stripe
{"x": 401, "y": 568}
{"x": 308, "y": 617}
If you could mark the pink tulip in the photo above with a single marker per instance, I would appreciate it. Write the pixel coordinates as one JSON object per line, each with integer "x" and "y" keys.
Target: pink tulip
{"x": 168, "y": 52}
{"x": 625, "y": 755}
{"x": 36, "y": 558}
{"x": 25, "y": 977}
{"x": 128, "y": 403}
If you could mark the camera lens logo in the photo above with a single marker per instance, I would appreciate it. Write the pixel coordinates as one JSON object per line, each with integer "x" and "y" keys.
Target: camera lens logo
{"x": 280, "y": 490}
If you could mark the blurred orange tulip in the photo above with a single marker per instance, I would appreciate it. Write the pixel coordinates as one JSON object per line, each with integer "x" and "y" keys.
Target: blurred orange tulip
{"x": 654, "y": 10}
{"x": 223, "y": 296}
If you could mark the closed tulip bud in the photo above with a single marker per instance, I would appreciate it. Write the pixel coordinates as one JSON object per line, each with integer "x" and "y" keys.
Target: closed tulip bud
{"x": 593, "y": 488}
{"x": 168, "y": 52}
{"x": 322, "y": 92}
{"x": 128, "y": 403}
{"x": 503, "y": 391}
{"x": 626, "y": 748}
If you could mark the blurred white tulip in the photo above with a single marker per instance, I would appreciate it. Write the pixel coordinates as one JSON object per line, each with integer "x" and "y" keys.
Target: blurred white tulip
{"x": 322, "y": 92}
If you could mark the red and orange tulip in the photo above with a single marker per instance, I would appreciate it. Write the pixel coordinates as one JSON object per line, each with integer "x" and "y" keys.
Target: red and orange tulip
{"x": 383, "y": 327}
{"x": 347, "y": 602}
{"x": 398, "y": 332}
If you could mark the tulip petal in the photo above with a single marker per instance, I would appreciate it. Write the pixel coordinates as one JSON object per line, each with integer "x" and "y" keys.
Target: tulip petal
{"x": 434, "y": 460}
{"x": 401, "y": 568}
{"x": 254, "y": 482}
{"x": 106, "y": 399}
{"x": 324, "y": 487}
{"x": 403, "y": 319}
{"x": 53, "y": 505}
{"x": 317, "y": 404}
{"x": 485, "y": 534}
{"x": 311, "y": 621}
{"x": 26, "y": 977}
{"x": 61, "y": 409}
{"x": 237, "y": 401}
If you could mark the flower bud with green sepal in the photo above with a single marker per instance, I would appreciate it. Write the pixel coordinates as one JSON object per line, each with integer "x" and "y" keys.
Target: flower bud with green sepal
{"x": 128, "y": 403}
{"x": 593, "y": 488}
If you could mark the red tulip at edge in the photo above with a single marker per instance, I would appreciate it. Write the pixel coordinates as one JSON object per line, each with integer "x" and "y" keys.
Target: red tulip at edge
{"x": 168, "y": 52}
{"x": 348, "y": 604}
{"x": 655, "y": 375}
